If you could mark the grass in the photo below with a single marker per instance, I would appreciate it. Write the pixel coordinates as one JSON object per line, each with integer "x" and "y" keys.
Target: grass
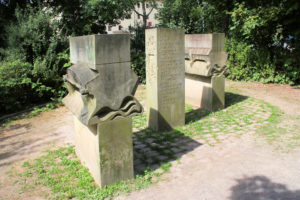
{"x": 61, "y": 171}
{"x": 282, "y": 132}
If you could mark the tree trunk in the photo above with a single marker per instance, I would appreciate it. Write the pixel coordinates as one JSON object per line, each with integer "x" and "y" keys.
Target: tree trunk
{"x": 145, "y": 17}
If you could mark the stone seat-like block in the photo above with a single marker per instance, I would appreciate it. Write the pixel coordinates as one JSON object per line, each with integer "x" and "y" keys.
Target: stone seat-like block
{"x": 97, "y": 50}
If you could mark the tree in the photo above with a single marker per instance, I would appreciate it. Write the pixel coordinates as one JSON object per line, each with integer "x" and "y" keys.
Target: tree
{"x": 81, "y": 17}
{"x": 263, "y": 37}
{"x": 35, "y": 40}
{"x": 144, "y": 4}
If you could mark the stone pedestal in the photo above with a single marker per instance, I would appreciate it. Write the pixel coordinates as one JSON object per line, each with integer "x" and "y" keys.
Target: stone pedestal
{"x": 205, "y": 92}
{"x": 106, "y": 149}
{"x": 165, "y": 78}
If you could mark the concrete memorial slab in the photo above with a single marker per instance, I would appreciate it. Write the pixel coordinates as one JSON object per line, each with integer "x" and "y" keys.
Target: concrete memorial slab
{"x": 205, "y": 65}
{"x": 101, "y": 88}
{"x": 165, "y": 78}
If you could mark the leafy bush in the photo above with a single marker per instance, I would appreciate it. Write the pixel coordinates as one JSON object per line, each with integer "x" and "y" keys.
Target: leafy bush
{"x": 259, "y": 48}
{"x": 248, "y": 63}
{"x": 15, "y": 85}
{"x": 138, "y": 55}
{"x": 38, "y": 55}
{"x": 23, "y": 85}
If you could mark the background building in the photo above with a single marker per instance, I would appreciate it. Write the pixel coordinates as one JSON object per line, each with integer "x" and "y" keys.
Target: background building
{"x": 136, "y": 19}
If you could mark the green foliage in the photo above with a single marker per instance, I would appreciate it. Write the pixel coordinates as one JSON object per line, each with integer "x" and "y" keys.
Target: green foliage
{"x": 36, "y": 54}
{"x": 15, "y": 85}
{"x": 138, "y": 52}
{"x": 36, "y": 33}
{"x": 250, "y": 64}
{"x": 259, "y": 47}
{"x": 193, "y": 16}
{"x": 262, "y": 39}
{"x": 87, "y": 17}
{"x": 23, "y": 85}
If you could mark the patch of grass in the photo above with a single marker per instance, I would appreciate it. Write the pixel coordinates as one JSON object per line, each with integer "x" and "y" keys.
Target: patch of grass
{"x": 242, "y": 114}
{"x": 166, "y": 167}
{"x": 282, "y": 131}
{"x": 139, "y": 121}
{"x": 61, "y": 171}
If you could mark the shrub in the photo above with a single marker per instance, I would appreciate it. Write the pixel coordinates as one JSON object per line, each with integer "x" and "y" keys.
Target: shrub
{"x": 138, "y": 55}
{"x": 15, "y": 85}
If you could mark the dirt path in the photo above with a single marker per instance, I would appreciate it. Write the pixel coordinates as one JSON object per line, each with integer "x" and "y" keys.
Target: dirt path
{"x": 244, "y": 168}
{"x": 240, "y": 168}
{"x": 28, "y": 138}
{"x": 286, "y": 97}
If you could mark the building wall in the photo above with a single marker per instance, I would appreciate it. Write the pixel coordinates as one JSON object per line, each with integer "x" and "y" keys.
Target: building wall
{"x": 135, "y": 20}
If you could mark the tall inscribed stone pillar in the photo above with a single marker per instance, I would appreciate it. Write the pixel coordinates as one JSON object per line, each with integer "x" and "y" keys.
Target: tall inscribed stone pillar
{"x": 165, "y": 78}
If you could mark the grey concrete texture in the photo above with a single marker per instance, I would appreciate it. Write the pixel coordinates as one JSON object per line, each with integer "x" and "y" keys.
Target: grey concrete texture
{"x": 165, "y": 78}
{"x": 205, "y": 92}
{"x": 106, "y": 91}
{"x": 106, "y": 150}
{"x": 203, "y": 52}
{"x": 95, "y": 50}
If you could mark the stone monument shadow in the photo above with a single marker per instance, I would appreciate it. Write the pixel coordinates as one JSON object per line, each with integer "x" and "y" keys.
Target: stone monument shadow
{"x": 197, "y": 114}
{"x": 152, "y": 148}
{"x": 233, "y": 98}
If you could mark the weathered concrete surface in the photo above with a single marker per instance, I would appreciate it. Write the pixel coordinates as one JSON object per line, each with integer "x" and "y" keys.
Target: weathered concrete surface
{"x": 205, "y": 92}
{"x": 106, "y": 149}
{"x": 100, "y": 82}
{"x": 96, "y": 50}
{"x": 203, "y": 52}
{"x": 165, "y": 78}
{"x": 101, "y": 87}
{"x": 218, "y": 92}
{"x": 204, "y": 64}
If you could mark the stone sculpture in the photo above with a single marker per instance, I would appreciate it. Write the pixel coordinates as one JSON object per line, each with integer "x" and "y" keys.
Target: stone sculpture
{"x": 205, "y": 67}
{"x": 101, "y": 88}
{"x": 100, "y": 91}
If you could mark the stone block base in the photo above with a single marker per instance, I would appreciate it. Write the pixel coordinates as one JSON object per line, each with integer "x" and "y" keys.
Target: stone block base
{"x": 106, "y": 150}
{"x": 205, "y": 92}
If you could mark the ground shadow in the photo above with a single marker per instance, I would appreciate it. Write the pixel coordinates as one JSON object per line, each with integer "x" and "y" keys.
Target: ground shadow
{"x": 16, "y": 147}
{"x": 197, "y": 114}
{"x": 261, "y": 188}
{"x": 151, "y": 149}
{"x": 154, "y": 148}
{"x": 233, "y": 98}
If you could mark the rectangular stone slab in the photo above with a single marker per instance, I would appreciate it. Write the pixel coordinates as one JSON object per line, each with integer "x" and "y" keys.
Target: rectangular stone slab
{"x": 207, "y": 50}
{"x": 165, "y": 78}
{"x": 102, "y": 49}
{"x": 205, "y": 92}
{"x": 106, "y": 150}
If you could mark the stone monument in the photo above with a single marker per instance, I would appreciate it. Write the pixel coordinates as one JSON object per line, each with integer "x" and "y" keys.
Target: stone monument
{"x": 205, "y": 65}
{"x": 101, "y": 88}
{"x": 165, "y": 78}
